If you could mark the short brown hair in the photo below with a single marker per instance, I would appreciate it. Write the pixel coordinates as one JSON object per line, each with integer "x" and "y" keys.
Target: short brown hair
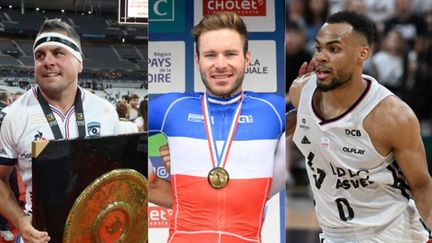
{"x": 221, "y": 20}
{"x": 122, "y": 110}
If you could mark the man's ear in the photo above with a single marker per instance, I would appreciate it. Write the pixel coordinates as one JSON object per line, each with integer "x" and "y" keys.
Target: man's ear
{"x": 364, "y": 53}
{"x": 248, "y": 59}
{"x": 80, "y": 67}
{"x": 196, "y": 58}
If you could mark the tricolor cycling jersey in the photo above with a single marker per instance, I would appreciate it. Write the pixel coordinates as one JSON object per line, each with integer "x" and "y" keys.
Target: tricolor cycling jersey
{"x": 25, "y": 122}
{"x": 357, "y": 191}
{"x": 234, "y": 213}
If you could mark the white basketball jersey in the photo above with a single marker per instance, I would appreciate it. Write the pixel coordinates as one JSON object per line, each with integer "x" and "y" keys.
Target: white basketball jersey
{"x": 357, "y": 191}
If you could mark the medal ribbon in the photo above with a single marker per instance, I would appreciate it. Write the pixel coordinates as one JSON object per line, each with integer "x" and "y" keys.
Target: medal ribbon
{"x": 79, "y": 115}
{"x": 215, "y": 155}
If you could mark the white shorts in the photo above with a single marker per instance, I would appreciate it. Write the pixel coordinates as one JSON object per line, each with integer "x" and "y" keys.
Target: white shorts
{"x": 407, "y": 228}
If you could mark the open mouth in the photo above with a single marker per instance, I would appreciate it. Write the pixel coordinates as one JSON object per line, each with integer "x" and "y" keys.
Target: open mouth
{"x": 322, "y": 72}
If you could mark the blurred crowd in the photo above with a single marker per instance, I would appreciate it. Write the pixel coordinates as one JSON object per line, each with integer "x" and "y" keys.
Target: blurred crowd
{"x": 85, "y": 75}
{"x": 132, "y": 113}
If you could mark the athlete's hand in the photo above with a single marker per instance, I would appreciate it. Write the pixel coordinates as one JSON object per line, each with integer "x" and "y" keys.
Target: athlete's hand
{"x": 307, "y": 67}
{"x": 29, "y": 233}
{"x": 165, "y": 154}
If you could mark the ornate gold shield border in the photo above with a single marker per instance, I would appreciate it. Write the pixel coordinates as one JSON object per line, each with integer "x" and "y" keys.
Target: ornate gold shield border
{"x": 113, "y": 208}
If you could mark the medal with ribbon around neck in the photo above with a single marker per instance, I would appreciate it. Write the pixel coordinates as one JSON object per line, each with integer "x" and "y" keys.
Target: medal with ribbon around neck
{"x": 218, "y": 176}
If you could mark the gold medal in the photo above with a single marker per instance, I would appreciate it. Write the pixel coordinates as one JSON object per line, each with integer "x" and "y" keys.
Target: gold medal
{"x": 218, "y": 177}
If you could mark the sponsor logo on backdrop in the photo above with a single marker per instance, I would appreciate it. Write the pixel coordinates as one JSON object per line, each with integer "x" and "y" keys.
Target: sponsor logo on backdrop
{"x": 158, "y": 217}
{"x": 161, "y": 10}
{"x": 241, "y": 7}
{"x": 166, "y": 67}
{"x": 161, "y": 63}
{"x": 255, "y": 67}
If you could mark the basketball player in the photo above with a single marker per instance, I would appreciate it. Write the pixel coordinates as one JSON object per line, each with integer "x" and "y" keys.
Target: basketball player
{"x": 71, "y": 111}
{"x": 364, "y": 154}
{"x": 224, "y": 143}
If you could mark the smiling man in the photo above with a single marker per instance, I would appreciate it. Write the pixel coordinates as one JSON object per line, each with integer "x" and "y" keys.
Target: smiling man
{"x": 57, "y": 108}
{"x": 225, "y": 143}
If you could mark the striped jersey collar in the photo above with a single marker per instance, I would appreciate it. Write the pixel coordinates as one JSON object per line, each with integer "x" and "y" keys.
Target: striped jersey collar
{"x": 224, "y": 101}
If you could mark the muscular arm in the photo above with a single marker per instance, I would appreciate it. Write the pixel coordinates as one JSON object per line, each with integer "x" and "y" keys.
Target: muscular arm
{"x": 400, "y": 133}
{"x": 9, "y": 207}
{"x": 13, "y": 212}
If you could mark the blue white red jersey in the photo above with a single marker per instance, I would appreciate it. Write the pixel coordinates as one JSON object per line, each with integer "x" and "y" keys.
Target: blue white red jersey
{"x": 234, "y": 213}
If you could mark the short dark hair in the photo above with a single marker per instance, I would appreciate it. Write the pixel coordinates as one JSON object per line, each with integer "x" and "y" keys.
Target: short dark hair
{"x": 360, "y": 23}
{"x": 58, "y": 25}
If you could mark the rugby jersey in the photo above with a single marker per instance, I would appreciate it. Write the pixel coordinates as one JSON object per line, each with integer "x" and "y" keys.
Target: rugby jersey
{"x": 25, "y": 122}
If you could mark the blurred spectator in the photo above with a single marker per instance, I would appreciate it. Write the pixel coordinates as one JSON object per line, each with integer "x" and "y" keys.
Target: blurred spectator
{"x": 296, "y": 53}
{"x": 5, "y": 99}
{"x": 17, "y": 95}
{"x": 125, "y": 98}
{"x": 141, "y": 121}
{"x": 422, "y": 6}
{"x": 419, "y": 91}
{"x": 295, "y": 9}
{"x": 126, "y": 126}
{"x": 133, "y": 107}
{"x": 391, "y": 63}
{"x": 380, "y": 11}
{"x": 408, "y": 23}
{"x": 315, "y": 15}
{"x": 357, "y": 6}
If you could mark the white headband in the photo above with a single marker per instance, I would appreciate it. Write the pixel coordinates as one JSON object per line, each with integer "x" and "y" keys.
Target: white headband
{"x": 54, "y": 38}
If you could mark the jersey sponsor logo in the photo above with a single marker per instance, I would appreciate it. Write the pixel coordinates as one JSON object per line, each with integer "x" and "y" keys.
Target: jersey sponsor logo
{"x": 305, "y": 140}
{"x": 93, "y": 129}
{"x": 245, "y": 119}
{"x": 3, "y": 151}
{"x": 303, "y": 124}
{"x": 353, "y": 132}
{"x": 349, "y": 179}
{"x": 325, "y": 143}
{"x": 353, "y": 150}
{"x": 195, "y": 117}
{"x": 25, "y": 156}
{"x": 39, "y": 136}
